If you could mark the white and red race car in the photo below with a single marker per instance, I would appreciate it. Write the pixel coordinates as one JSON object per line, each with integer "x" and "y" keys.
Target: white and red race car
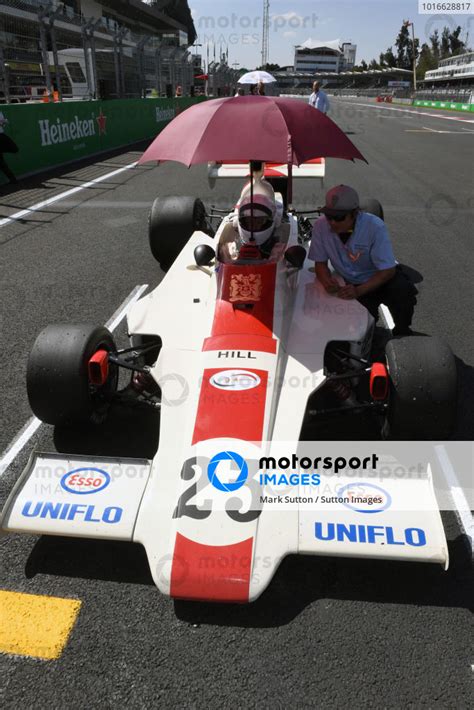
{"x": 237, "y": 354}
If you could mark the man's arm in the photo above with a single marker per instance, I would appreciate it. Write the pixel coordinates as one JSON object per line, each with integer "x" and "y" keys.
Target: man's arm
{"x": 378, "y": 279}
{"x": 324, "y": 276}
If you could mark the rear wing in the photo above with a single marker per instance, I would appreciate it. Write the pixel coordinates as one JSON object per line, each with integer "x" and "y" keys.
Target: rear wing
{"x": 312, "y": 169}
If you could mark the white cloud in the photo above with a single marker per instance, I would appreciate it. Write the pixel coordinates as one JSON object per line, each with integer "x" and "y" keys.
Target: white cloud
{"x": 288, "y": 15}
{"x": 289, "y": 34}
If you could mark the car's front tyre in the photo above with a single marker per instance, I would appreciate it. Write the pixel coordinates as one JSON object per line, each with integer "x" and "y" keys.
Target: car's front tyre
{"x": 423, "y": 385}
{"x": 58, "y": 384}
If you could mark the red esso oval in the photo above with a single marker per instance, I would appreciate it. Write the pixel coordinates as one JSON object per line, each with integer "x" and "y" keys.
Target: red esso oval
{"x": 85, "y": 480}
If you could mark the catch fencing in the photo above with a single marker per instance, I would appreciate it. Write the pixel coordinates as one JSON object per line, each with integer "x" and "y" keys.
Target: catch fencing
{"x": 47, "y": 50}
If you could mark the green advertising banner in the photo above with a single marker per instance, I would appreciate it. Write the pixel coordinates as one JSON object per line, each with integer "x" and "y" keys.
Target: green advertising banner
{"x": 449, "y": 105}
{"x": 52, "y": 134}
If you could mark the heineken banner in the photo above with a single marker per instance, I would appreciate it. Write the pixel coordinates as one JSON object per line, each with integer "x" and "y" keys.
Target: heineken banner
{"x": 56, "y": 133}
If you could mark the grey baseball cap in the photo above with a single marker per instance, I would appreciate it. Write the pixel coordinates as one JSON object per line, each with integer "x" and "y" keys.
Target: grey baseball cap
{"x": 341, "y": 198}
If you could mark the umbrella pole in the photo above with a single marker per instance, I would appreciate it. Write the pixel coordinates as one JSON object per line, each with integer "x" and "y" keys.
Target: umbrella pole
{"x": 289, "y": 188}
{"x": 251, "y": 202}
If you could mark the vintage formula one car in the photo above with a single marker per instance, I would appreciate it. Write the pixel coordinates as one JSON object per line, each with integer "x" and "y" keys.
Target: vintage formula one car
{"x": 238, "y": 354}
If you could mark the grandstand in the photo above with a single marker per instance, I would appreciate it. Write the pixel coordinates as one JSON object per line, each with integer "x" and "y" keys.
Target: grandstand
{"x": 291, "y": 82}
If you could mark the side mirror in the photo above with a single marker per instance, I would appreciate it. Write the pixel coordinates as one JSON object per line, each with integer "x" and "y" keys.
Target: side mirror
{"x": 296, "y": 256}
{"x": 204, "y": 255}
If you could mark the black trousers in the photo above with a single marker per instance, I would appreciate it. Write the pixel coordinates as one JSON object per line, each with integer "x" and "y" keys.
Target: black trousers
{"x": 6, "y": 170}
{"x": 399, "y": 295}
{"x": 7, "y": 145}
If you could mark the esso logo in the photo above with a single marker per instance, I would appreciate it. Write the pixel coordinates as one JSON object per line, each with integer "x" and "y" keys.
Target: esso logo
{"x": 84, "y": 481}
{"x": 235, "y": 380}
{"x": 365, "y": 497}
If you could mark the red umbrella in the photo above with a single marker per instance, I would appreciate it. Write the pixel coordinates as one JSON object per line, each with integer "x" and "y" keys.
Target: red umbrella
{"x": 251, "y": 128}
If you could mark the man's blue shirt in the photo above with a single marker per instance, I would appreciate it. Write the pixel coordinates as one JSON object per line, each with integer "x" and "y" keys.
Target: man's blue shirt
{"x": 367, "y": 251}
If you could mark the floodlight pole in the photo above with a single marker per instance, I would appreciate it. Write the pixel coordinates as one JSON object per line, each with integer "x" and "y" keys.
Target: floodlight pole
{"x": 414, "y": 55}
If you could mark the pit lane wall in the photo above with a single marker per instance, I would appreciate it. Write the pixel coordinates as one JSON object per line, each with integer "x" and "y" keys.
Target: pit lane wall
{"x": 53, "y": 134}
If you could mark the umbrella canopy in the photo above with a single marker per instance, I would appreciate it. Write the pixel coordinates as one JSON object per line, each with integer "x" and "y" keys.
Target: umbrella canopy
{"x": 250, "y": 128}
{"x": 253, "y": 77}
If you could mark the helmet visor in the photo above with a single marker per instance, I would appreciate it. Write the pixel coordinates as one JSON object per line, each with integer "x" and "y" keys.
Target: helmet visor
{"x": 255, "y": 223}
{"x": 255, "y": 217}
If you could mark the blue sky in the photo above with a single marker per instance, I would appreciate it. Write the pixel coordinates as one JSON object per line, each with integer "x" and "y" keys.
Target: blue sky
{"x": 371, "y": 24}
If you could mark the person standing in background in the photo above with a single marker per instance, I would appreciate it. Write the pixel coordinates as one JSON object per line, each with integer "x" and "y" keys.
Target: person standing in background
{"x": 7, "y": 145}
{"x": 319, "y": 99}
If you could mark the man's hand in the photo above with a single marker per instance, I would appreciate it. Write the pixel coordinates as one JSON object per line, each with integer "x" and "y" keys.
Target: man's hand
{"x": 324, "y": 276}
{"x": 331, "y": 285}
{"x": 348, "y": 292}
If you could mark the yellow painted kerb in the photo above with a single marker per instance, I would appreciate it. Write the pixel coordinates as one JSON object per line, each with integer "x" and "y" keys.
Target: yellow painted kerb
{"x": 34, "y": 625}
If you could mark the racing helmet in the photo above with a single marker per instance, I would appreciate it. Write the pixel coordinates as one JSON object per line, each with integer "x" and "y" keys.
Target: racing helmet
{"x": 256, "y": 218}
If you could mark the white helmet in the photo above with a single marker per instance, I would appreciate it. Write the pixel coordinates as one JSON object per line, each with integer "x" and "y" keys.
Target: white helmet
{"x": 256, "y": 218}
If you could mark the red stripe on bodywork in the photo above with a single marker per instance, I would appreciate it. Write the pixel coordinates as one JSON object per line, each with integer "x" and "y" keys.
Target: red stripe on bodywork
{"x": 274, "y": 172}
{"x": 211, "y": 573}
{"x": 254, "y": 343}
{"x": 245, "y": 300}
{"x": 230, "y": 414}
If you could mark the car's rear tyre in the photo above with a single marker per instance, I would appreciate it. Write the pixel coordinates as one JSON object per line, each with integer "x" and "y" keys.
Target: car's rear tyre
{"x": 372, "y": 206}
{"x": 423, "y": 384}
{"x": 57, "y": 376}
{"x": 172, "y": 221}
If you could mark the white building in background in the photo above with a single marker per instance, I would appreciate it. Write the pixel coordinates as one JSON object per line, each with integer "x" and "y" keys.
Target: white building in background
{"x": 454, "y": 69}
{"x": 316, "y": 56}
{"x": 349, "y": 50}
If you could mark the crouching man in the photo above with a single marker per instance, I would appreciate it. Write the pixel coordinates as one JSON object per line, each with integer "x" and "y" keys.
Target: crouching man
{"x": 358, "y": 246}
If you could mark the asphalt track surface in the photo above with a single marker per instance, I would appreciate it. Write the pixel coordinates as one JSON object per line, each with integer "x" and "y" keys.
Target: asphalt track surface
{"x": 327, "y": 632}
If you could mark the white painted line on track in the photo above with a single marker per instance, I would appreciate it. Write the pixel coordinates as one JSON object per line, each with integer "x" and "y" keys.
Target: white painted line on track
{"x": 459, "y": 133}
{"x": 409, "y": 112}
{"x": 51, "y": 200}
{"x": 459, "y": 497}
{"x": 122, "y": 310}
{"x": 104, "y": 204}
{"x": 33, "y": 424}
{"x": 18, "y": 443}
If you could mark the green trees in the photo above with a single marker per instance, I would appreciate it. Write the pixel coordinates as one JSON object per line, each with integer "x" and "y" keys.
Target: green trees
{"x": 428, "y": 56}
{"x": 404, "y": 45}
{"x": 448, "y": 45}
{"x": 269, "y": 67}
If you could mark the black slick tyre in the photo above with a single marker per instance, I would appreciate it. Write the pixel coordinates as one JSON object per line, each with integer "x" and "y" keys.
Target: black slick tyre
{"x": 57, "y": 377}
{"x": 423, "y": 384}
{"x": 372, "y": 206}
{"x": 172, "y": 222}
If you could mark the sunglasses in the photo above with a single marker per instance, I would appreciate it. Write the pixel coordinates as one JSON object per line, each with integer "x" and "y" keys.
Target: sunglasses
{"x": 337, "y": 217}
